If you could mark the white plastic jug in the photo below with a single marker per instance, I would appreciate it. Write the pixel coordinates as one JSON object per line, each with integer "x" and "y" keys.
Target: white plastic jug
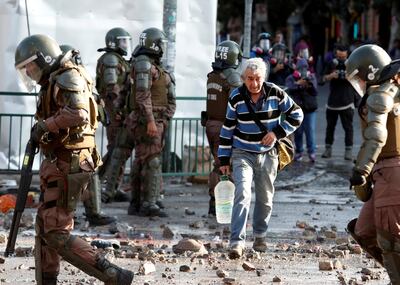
{"x": 224, "y": 193}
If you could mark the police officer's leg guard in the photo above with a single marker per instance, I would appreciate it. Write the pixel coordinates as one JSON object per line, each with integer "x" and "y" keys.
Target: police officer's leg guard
{"x": 390, "y": 246}
{"x": 152, "y": 184}
{"x": 369, "y": 245}
{"x": 103, "y": 270}
{"x": 136, "y": 182}
{"x": 42, "y": 278}
{"x": 117, "y": 163}
{"x": 93, "y": 204}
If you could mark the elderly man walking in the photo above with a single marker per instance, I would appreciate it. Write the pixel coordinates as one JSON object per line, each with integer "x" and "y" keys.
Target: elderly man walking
{"x": 252, "y": 152}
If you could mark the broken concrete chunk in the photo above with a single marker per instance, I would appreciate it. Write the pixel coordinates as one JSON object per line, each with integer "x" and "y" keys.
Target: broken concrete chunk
{"x": 276, "y": 279}
{"x": 248, "y": 266}
{"x": 189, "y": 245}
{"x": 325, "y": 265}
{"x": 147, "y": 268}
{"x": 168, "y": 233}
{"x": 221, "y": 273}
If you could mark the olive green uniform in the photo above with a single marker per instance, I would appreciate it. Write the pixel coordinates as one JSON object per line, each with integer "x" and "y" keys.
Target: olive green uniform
{"x": 152, "y": 99}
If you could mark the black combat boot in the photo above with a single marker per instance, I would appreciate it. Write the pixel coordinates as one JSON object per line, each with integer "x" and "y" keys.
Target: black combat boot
{"x": 49, "y": 278}
{"x": 121, "y": 196}
{"x": 118, "y": 275}
{"x": 99, "y": 220}
{"x": 152, "y": 211}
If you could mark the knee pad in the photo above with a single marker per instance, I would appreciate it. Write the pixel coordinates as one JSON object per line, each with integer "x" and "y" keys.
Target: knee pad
{"x": 56, "y": 240}
{"x": 154, "y": 163}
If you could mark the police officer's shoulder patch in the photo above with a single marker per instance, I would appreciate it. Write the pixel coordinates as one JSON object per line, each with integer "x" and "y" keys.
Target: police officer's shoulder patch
{"x": 71, "y": 80}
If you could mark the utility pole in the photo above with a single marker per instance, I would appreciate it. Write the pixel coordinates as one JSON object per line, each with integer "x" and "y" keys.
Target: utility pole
{"x": 169, "y": 27}
{"x": 247, "y": 27}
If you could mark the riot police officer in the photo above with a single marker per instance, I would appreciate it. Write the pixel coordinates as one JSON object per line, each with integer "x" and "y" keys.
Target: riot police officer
{"x": 261, "y": 49}
{"x": 153, "y": 105}
{"x": 66, "y": 123}
{"x": 93, "y": 203}
{"x": 112, "y": 83}
{"x": 377, "y": 228}
{"x": 220, "y": 82}
{"x": 280, "y": 64}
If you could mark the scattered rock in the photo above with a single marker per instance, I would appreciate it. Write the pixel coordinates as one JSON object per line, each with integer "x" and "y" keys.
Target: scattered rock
{"x": 325, "y": 265}
{"x": 229, "y": 281}
{"x": 189, "y": 245}
{"x": 27, "y": 220}
{"x": 168, "y": 233}
{"x": 119, "y": 228}
{"x": 330, "y": 234}
{"x": 147, "y": 268}
{"x": 337, "y": 264}
{"x": 24, "y": 251}
{"x": 356, "y": 249}
{"x": 341, "y": 278}
{"x": 2, "y": 260}
{"x": 197, "y": 225}
{"x": 248, "y": 266}
{"x": 3, "y": 238}
{"x": 189, "y": 212}
{"x": 185, "y": 268}
{"x": 366, "y": 271}
{"x": 276, "y": 279}
{"x": 301, "y": 225}
{"x": 221, "y": 273}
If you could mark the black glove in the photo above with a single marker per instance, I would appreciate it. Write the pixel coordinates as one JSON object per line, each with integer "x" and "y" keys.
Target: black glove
{"x": 38, "y": 130}
{"x": 357, "y": 179}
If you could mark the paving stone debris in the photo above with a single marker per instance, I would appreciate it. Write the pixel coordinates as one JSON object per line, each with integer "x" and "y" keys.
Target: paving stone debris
{"x": 307, "y": 241}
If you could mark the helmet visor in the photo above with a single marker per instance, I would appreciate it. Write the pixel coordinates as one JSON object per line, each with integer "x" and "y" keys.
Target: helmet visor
{"x": 125, "y": 43}
{"x": 164, "y": 50}
{"x": 279, "y": 54}
{"x": 358, "y": 84}
{"x": 265, "y": 44}
{"x": 29, "y": 73}
{"x": 304, "y": 53}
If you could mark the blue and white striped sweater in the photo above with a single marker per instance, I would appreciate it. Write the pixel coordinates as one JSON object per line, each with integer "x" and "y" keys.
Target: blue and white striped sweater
{"x": 240, "y": 130}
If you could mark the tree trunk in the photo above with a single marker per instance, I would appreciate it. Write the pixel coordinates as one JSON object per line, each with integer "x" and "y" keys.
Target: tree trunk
{"x": 169, "y": 27}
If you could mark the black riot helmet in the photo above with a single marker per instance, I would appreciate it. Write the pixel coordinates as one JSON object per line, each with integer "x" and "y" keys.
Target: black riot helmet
{"x": 227, "y": 55}
{"x": 119, "y": 40}
{"x": 36, "y": 56}
{"x": 364, "y": 66}
{"x": 152, "y": 41}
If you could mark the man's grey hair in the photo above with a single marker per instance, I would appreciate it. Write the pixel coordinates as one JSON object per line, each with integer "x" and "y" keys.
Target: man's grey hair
{"x": 255, "y": 64}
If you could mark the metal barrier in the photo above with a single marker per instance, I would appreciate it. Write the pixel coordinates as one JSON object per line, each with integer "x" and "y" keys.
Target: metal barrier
{"x": 189, "y": 153}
